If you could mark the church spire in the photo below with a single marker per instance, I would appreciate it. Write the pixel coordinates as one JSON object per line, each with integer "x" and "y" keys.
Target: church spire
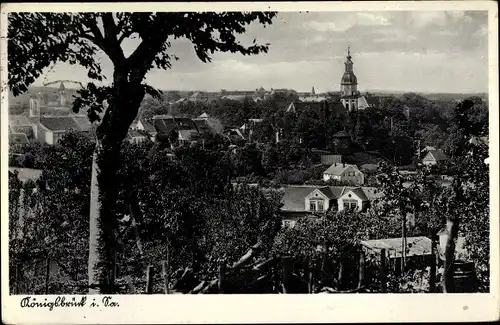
{"x": 313, "y": 93}
{"x": 349, "y": 52}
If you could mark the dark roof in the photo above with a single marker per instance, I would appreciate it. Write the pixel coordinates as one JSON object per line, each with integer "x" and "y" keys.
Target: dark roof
{"x": 372, "y": 101}
{"x": 358, "y": 191}
{"x": 19, "y": 120}
{"x": 293, "y": 199}
{"x": 136, "y": 134}
{"x": 349, "y": 78}
{"x": 185, "y": 123}
{"x": 327, "y": 191}
{"x": 164, "y": 125}
{"x": 18, "y": 138}
{"x": 438, "y": 154}
{"x": 339, "y": 168}
{"x": 148, "y": 127}
{"x": 83, "y": 122}
{"x": 337, "y": 107}
{"x": 60, "y": 123}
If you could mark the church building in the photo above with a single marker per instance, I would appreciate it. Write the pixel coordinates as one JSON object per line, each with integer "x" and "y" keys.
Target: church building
{"x": 350, "y": 97}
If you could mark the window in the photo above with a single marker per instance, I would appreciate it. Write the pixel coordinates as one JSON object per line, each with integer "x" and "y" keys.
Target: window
{"x": 317, "y": 205}
{"x": 350, "y": 204}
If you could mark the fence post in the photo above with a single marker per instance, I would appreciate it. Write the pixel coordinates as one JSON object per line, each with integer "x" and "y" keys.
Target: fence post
{"x": 432, "y": 275}
{"x": 17, "y": 279}
{"x": 149, "y": 280}
{"x": 165, "y": 276}
{"x": 47, "y": 275}
{"x": 286, "y": 274}
{"x": 222, "y": 272}
{"x": 361, "y": 268}
{"x": 308, "y": 276}
{"x": 325, "y": 256}
{"x": 383, "y": 281}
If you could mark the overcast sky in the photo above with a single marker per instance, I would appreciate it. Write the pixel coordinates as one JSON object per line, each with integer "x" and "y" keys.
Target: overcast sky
{"x": 439, "y": 51}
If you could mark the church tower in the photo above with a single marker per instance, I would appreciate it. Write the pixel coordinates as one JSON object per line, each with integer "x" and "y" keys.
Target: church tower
{"x": 62, "y": 97}
{"x": 34, "y": 112}
{"x": 349, "y": 85}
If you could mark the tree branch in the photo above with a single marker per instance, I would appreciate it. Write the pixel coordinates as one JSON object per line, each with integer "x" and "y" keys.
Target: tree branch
{"x": 124, "y": 35}
{"x": 110, "y": 35}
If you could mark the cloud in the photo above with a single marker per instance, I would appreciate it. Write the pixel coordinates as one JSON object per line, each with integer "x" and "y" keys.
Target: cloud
{"x": 421, "y": 19}
{"x": 369, "y": 19}
{"x": 328, "y": 26}
{"x": 348, "y": 21}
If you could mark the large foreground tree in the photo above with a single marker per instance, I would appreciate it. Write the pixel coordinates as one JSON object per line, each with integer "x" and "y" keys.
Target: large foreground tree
{"x": 38, "y": 40}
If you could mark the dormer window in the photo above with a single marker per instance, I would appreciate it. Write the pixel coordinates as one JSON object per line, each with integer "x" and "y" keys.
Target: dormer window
{"x": 317, "y": 205}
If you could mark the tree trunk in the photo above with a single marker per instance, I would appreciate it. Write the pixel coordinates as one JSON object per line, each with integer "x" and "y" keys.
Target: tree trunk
{"x": 93, "y": 229}
{"x": 124, "y": 104}
{"x": 449, "y": 255}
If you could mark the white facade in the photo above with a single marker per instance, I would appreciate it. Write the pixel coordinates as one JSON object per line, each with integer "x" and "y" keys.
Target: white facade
{"x": 317, "y": 201}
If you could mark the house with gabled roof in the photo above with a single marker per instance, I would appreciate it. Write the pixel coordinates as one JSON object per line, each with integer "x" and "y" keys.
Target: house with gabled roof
{"x": 18, "y": 139}
{"x": 143, "y": 125}
{"x": 319, "y": 104}
{"x": 20, "y": 124}
{"x": 136, "y": 136}
{"x": 345, "y": 173}
{"x": 51, "y": 129}
{"x": 186, "y": 128}
{"x": 434, "y": 157}
{"x": 303, "y": 200}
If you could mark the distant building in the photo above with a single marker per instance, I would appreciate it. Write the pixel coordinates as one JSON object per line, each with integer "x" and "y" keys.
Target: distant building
{"x": 344, "y": 173}
{"x": 248, "y": 128}
{"x": 321, "y": 105}
{"x": 198, "y": 96}
{"x": 331, "y": 159}
{"x": 188, "y": 130}
{"x": 208, "y": 125}
{"x": 434, "y": 157}
{"x": 342, "y": 142}
{"x": 135, "y": 136}
{"x": 143, "y": 125}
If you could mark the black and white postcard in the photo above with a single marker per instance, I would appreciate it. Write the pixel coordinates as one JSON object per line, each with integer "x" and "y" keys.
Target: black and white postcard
{"x": 249, "y": 162}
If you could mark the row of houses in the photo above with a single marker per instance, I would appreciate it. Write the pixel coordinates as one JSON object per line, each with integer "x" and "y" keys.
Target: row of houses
{"x": 45, "y": 129}
{"x": 256, "y": 95}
